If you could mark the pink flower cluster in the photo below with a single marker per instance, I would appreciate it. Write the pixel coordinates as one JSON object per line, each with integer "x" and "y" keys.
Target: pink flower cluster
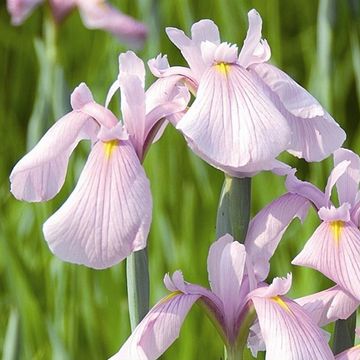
{"x": 245, "y": 113}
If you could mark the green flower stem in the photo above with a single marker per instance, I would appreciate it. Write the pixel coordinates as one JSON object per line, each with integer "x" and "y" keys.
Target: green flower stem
{"x": 137, "y": 274}
{"x": 233, "y": 218}
{"x": 344, "y": 334}
{"x": 233, "y": 214}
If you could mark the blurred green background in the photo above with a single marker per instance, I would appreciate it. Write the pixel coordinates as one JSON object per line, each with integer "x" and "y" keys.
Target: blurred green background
{"x": 54, "y": 310}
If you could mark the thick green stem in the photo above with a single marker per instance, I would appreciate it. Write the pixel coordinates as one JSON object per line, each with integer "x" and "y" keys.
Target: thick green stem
{"x": 137, "y": 274}
{"x": 234, "y": 353}
{"x": 234, "y": 208}
{"x": 344, "y": 334}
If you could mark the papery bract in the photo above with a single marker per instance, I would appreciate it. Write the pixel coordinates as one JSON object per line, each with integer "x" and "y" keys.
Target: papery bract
{"x": 231, "y": 302}
{"x": 246, "y": 111}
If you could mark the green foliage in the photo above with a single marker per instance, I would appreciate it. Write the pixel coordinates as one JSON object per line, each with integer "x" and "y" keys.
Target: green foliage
{"x": 55, "y": 310}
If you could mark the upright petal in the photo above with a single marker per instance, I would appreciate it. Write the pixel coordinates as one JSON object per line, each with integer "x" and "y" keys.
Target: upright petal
{"x": 329, "y": 305}
{"x": 108, "y": 214}
{"x": 315, "y": 133}
{"x": 267, "y": 228}
{"x": 204, "y": 30}
{"x": 348, "y": 184}
{"x": 98, "y": 14}
{"x": 248, "y": 54}
{"x": 40, "y": 174}
{"x": 232, "y": 124}
{"x": 21, "y": 9}
{"x": 158, "y": 330}
{"x": 131, "y": 64}
{"x": 288, "y": 331}
{"x": 334, "y": 250}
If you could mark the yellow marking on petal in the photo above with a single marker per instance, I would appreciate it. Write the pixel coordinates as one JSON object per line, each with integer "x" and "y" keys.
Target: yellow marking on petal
{"x": 223, "y": 68}
{"x": 336, "y": 228}
{"x": 281, "y": 302}
{"x": 170, "y": 296}
{"x": 109, "y": 147}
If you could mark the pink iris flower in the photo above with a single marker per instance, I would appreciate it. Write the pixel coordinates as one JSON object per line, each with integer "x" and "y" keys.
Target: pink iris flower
{"x": 246, "y": 111}
{"x": 96, "y": 14}
{"x": 287, "y": 330}
{"x": 334, "y": 248}
{"x": 108, "y": 214}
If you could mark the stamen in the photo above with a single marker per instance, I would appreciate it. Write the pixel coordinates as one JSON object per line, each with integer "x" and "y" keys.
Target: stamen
{"x": 336, "y": 229}
{"x": 170, "y": 296}
{"x": 109, "y": 147}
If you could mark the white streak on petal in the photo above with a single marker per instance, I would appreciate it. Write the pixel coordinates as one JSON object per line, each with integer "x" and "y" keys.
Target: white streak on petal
{"x": 108, "y": 214}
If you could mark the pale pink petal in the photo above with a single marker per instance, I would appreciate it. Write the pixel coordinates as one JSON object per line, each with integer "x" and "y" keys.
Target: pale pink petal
{"x": 254, "y": 49}
{"x": 350, "y": 354}
{"x": 204, "y": 30}
{"x": 130, "y": 63}
{"x": 288, "y": 331}
{"x": 315, "y": 133}
{"x": 158, "y": 330}
{"x": 108, "y": 214}
{"x": 293, "y": 96}
{"x": 267, "y": 228}
{"x": 98, "y": 14}
{"x": 279, "y": 286}
{"x": 61, "y": 8}
{"x": 133, "y": 109}
{"x": 348, "y": 184}
{"x": 329, "y": 305}
{"x": 40, "y": 174}
{"x": 337, "y": 172}
{"x": 21, "y": 9}
{"x": 214, "y": 259}
{"x": 232, "y": 123}
{"x": 305, "y": 189}
{"x": 334, "y": 250}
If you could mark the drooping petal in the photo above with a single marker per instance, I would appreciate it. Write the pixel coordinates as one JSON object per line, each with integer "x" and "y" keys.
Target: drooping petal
{"x": 315, "y": 133}
{"x": 60, "y": 8}
{"x": 98, "y": 14}
{"x": 306, "y": 190}
{"x": 348, "y": 184}
{"x": 254, "y": 50}
{"x": 204, "y": 30}
{"x": 158, "y": 330}
{"x": 334, "y": 250}
{"x": 21, "y": 9}
{"x": 108, "y": 214}
{"x": 267, "y": 228}
{"x": 40, "y": 174}
{"x": 288, "y": 331}
{"x": 232, "y": 124}
{"x": 329, "y": 305}
{"x": 350, "y": 354}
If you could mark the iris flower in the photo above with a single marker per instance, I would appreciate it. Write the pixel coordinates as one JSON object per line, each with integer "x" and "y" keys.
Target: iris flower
{"x": 334, "y": 248}
{"x": 96, "y": 14}
{"x": 108, "y": 214}
{"x": 246, "y": 111}
{"x": 234, "y": 298}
